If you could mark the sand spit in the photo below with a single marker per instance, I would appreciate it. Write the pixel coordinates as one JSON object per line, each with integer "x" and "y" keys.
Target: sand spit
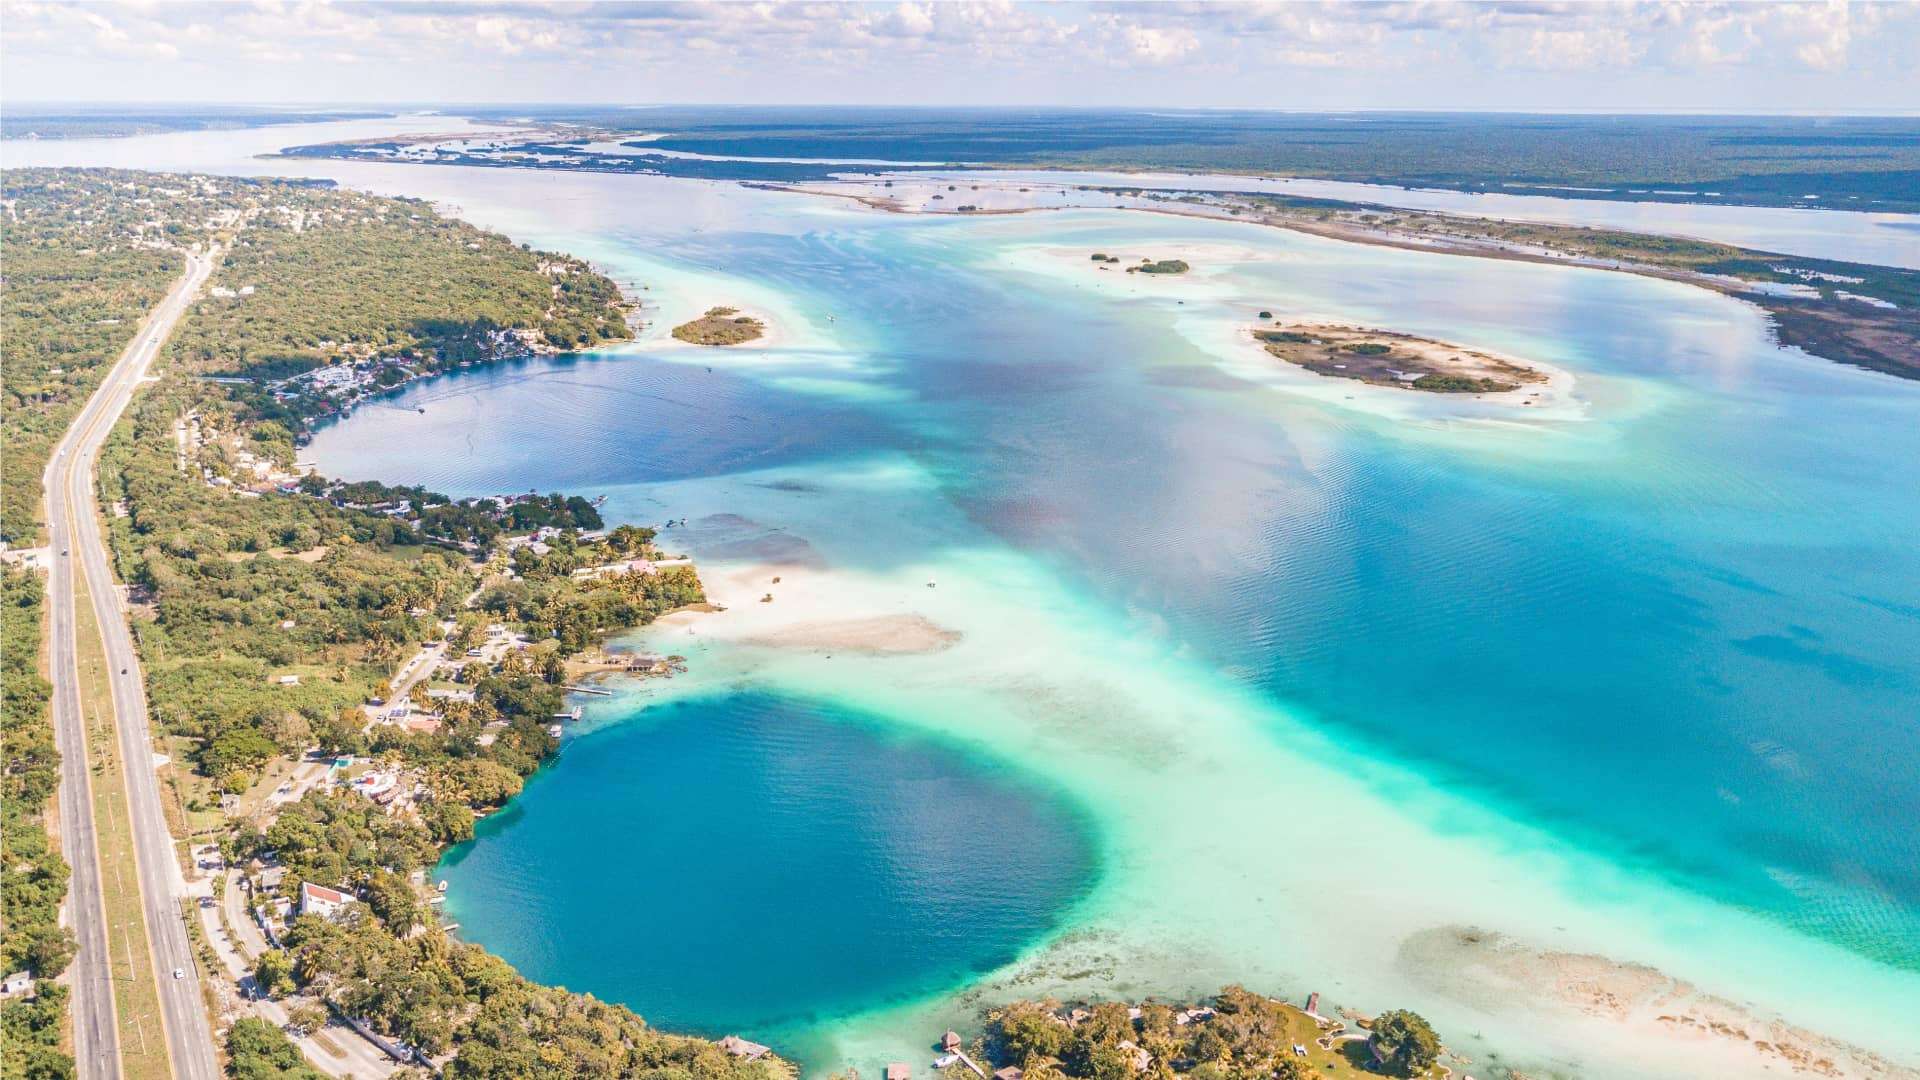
{"x": 1702, "y": 1034}
{"x": 770, "y": 589}
{"x": 879, "y": 635}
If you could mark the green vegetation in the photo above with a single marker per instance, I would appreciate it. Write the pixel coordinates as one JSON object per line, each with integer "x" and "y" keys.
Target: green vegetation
{"x": 387, "y": 290}
{"x": 33, "y": 876}
{"x": 1403, "y": 1043}
{"x": 550, "y": 602}
{"x": 720, "y": 326}
{"x": 229, "y": 606}
{"x": 1851, "y": 313}
{"x": 268, "y": 613}
{"x": 66, "y": 121}
{"x": 30, "y": 1036}
{"x": 1459, "y": 384}
{"x": 1855, "y": 162}
{"x": 256, "y": 1050}
{"x": 87, "y": 258}
{"x": 1243, "y": 1036}
{"x": 1385, "y": 358}
{"x": 1161, "y": 266}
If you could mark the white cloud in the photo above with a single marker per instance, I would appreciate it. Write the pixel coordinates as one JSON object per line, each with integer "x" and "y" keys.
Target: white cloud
{"x": 966, "y": 50}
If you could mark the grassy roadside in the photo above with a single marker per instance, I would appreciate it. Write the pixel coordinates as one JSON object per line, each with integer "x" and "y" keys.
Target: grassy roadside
{"x": 143, "y": 1039}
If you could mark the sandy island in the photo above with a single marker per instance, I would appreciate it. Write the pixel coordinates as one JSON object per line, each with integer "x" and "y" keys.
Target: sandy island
{"x": 1387, "y": 358}
{"x": 1691, "y": 1030}
{"x": 721, "y": 326}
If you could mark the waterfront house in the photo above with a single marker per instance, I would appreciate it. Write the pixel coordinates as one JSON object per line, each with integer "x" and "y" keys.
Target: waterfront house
{"x": 741, "y": 1048}
{"x": 950, "y": 1041}
{"x": 1011, "y": 1072}
{"x": 899, "y": 1070}
{"x": 322, "y": 901}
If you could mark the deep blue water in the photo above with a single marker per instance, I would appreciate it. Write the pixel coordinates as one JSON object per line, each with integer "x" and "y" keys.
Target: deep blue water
{"x": 748, "y": 862}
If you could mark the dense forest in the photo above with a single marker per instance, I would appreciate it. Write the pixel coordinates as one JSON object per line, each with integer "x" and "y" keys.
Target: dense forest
{"x": 334, "y": 275}
{"x": 1870, "y": 163}
{"x": 88, "y": 255}
{"x": 33, "y": 876}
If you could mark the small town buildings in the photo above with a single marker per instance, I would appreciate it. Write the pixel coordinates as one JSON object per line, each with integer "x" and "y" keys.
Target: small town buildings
{"x": 18, "y": 984}
{"x": 742, "y": 1048}
{"x": 322, "y": 901}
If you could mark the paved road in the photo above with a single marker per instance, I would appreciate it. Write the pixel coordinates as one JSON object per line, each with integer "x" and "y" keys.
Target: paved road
{"x": 78, "y": 547}
{"x": 337, "y": 1049}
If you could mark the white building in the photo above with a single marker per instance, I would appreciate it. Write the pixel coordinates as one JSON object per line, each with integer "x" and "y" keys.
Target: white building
{"x": 322, "y": 901}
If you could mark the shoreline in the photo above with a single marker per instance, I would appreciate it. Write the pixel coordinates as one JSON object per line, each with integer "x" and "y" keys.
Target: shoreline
{"x": 1793, "y": 322}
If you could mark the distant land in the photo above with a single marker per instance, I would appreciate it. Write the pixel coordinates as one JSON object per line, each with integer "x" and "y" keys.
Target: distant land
{"x": 1860, "y": 163}
{"x": 74, "y": 121}
{"x": 1851, "y": 163}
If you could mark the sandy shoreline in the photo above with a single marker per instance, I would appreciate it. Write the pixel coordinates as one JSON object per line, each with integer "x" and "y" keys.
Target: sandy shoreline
{"x": 803, "y": 615}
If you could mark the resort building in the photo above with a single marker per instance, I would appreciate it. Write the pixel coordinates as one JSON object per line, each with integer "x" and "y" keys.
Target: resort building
{"x": 322, "y": 901}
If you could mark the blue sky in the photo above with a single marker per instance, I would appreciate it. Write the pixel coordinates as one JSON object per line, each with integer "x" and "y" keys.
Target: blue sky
{"x": 1823, "y": 56}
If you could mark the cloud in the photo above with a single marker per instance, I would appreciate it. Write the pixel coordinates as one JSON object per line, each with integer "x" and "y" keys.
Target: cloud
{"x": 925, "y": 51}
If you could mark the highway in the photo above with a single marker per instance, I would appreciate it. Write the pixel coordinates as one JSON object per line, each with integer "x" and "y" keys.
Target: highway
{"x": 77, "y": 546}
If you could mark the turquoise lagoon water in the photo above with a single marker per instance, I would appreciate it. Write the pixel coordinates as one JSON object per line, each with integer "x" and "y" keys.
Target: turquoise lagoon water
{"x": 918, "y": 869}
{"x": 1634, "y": 677}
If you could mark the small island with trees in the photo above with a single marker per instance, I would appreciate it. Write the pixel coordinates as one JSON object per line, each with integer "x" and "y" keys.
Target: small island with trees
{"x": 720, "y": 326}
{"x": 1145, "y": 266}
{"x": 1386, "y": 358}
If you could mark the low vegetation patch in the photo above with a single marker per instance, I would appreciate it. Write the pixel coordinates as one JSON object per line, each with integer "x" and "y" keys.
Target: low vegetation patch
{"x": 720, "y": 326}
{"x": 1384, "y": 358}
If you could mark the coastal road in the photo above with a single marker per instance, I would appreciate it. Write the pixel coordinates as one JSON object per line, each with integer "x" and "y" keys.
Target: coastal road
{"x": 336, "y": 1049}
{"x": 78, "y": 550}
